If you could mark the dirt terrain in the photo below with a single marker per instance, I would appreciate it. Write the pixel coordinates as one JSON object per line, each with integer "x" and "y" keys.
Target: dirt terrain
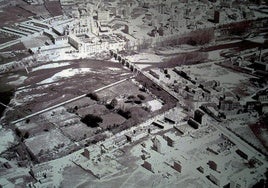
{"x": 49, "y": 93}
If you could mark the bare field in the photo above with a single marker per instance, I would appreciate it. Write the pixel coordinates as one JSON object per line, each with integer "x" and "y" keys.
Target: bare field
{"x": 53, "y": 7}
{"x": 13, "y": 14}
{"x": 49, "y": 86}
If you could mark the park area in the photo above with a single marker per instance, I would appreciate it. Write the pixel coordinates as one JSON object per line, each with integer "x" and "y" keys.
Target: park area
{"x": 94, "y": 116}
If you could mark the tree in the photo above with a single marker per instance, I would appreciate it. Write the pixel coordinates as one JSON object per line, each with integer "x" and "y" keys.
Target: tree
{"x": 131, "y": 97}
{"x": 98, "y": 138}
{"x": 91, "y": 120}
{"x": 137, "y": 102}
{"x": 26, "y": 135}
{"x": 114, "y": 102}
{"x": 93, "y": 96}
{"x": 239, "y": 28}
{"x": 18, "y": 132}
{"x": 125, "y": 114}
{"x": 141, "y": 97}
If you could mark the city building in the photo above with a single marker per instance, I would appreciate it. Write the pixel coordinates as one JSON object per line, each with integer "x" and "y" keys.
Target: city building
{"x": 199, "y": 116}
{"x": 159, "y": 144}
{"x": 193, "y": 123}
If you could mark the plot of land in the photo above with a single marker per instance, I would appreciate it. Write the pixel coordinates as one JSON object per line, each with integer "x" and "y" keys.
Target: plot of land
{"x": 46, "y": 141}
{"x": 14, "y": 14}
{"x": 53, "y": 7}
{"x": 49, "y": 85}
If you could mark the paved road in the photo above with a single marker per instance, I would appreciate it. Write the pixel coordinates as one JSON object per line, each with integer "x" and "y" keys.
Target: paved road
{"x": 4, "y": 105}
{"x": 66, "y": 102}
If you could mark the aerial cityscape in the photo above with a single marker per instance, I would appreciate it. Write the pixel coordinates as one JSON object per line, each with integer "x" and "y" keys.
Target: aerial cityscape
{"x": 134, "y": 93}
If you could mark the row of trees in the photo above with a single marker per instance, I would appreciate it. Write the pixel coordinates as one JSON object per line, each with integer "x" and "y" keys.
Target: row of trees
{"x": 198, "y": 37}
{"x": 185, "y": 59}
{"x": 238, "y": 29}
